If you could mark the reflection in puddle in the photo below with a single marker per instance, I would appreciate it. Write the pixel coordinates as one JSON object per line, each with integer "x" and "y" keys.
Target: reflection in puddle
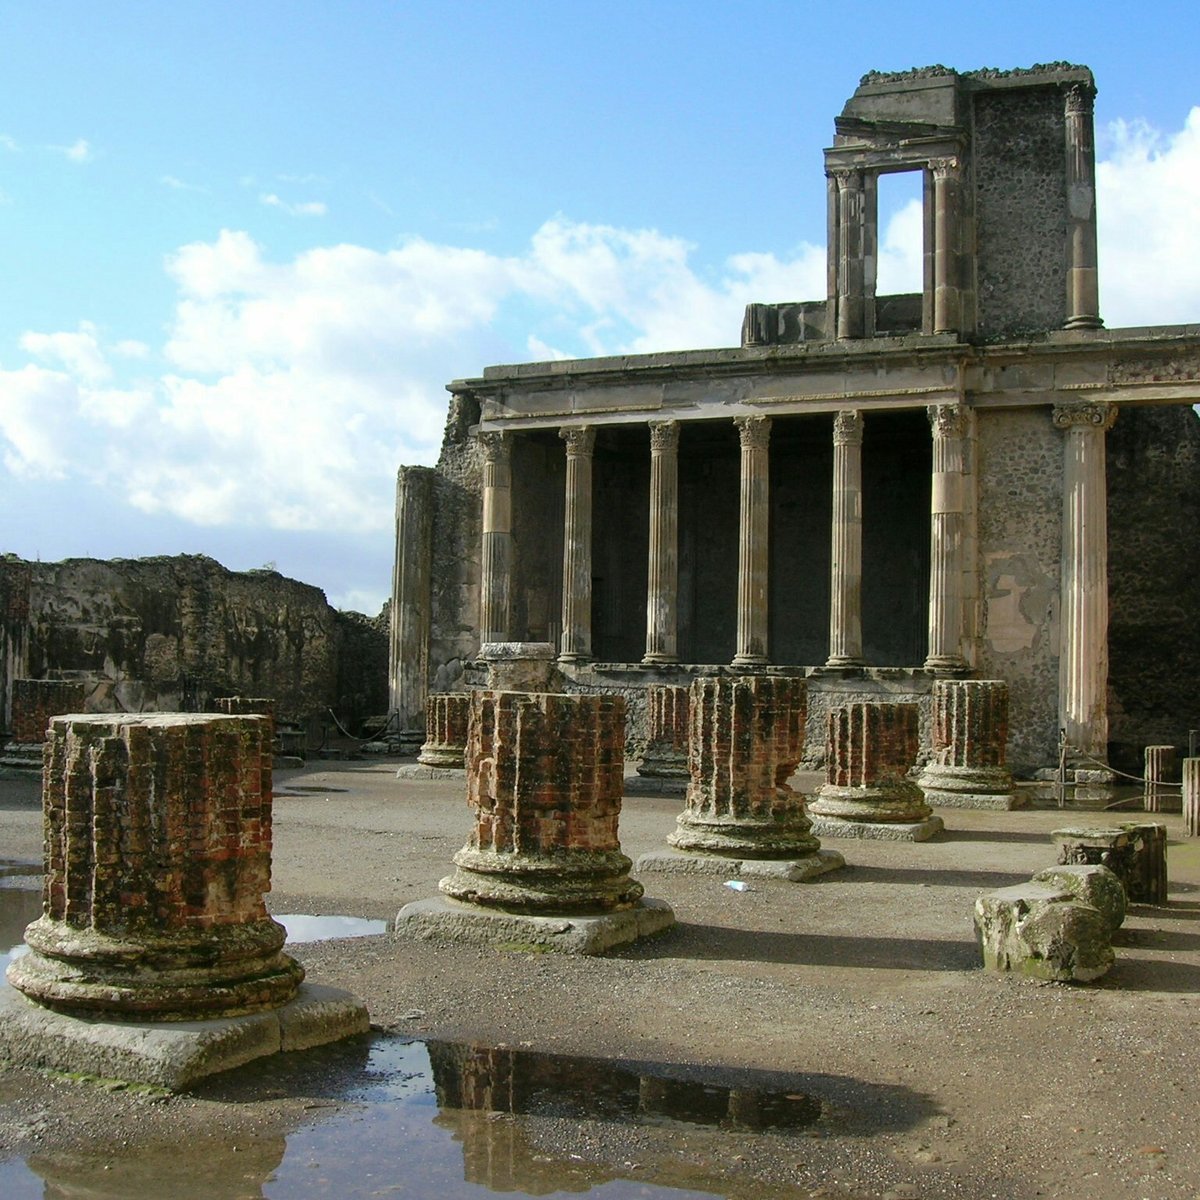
{"x": 304, "y": 928}
{"x": 454, "y": 1121}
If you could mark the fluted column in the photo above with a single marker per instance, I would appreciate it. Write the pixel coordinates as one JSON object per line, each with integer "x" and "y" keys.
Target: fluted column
{"x": 947, "y": 522}
{"x": 946, "y": 301}
{"x": 577, "y": 546}
{"x": 845, "y": 590}
{"x": 412, "y": 599}
{"x": 1083, "y": 655}
{"x": 662, "y": 597}
{"x": 1083, "y": 288}
{"x": 850, "y": 302}
{"x": 755, "y": 435}
{"x": 496, "y": 567}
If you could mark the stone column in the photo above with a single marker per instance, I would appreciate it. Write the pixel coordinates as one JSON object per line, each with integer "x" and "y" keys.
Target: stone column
{"x": 495, "y": 586}
{"x": 870, "y": 748}
{"x": 666, "y": 754}
{"x": 1083, "y": 288}
{"x": 947, "y": 521}
{"x": 412, "y": 597}
{"x": 753, "y": 547}
{"x": 577, "y": 546}
{"x": 158, "y": 855}
{"x": 1159, "y": 771}
{"x": 447, "y": 715}
{"x": 1083, "y": 654}
{"x": 745, "y": 740}
{"x": 845, "y": 588}
{"x": 968, "y": 768}
{"x": 946, "y": 299}
{"x": 662, "y": 597}
{"x": 35, "y": 701}
{"x": 1191, "y": 796}
{"x": 850, "y": 301}
{"x": 544, "y": 779}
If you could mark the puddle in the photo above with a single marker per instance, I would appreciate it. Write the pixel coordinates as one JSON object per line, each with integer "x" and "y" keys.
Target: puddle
{"x": 305, "y": 789}
{"x": 453, "y": 1120}
{"x": 303, "y": 928}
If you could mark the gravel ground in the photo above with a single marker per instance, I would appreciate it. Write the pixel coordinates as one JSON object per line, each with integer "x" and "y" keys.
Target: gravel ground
{"x": 936, "y": 1079}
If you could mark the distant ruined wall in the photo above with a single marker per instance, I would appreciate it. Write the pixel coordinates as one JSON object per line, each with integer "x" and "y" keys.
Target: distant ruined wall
{"x": 1153, "y": 580}
{"x": 170, "y": 634}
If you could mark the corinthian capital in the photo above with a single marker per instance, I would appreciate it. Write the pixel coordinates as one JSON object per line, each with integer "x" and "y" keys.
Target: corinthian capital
{"x": 847, "y": 427}
{"x": 754, "y": 432}
{"x": 580, "y": 439}
{"x": 1078, "y": 99}
{"x": 1085, "y": 416}
{"x": 944, "y": 168}
{"x": 496, "y": 444}
{"x": 664, "y": 435}
{"x": 947, "y": 420}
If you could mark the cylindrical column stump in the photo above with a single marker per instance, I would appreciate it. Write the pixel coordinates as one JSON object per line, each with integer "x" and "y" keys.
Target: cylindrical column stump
{"x": 544, "y": 778}
{"x": 746, "y": 739}
{"x": 666, "y": 754}
{"x": 1160, "y": 794}
{"x": 158, "y": 855}
{"x": 870, "y": 748}
{"x": 1191, "y": 796}
{"x": 968, "y": 768}
{"x": 447, "y": 716}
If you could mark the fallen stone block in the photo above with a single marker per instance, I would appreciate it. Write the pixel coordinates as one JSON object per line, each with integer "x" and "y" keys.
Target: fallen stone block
{"x": 1042, "y": 931}
{"x": 1094, "y": 885}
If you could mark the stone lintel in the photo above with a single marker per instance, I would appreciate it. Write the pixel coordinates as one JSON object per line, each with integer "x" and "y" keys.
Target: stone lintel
{"x": 176, "y": 1054}
{"x": 883, "y": 831}
{"x": 439, "y": 919}
{"x": 793, "y": 870}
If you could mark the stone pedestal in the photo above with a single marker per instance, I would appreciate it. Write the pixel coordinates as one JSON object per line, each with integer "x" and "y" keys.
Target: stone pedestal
{"x": 746, "y": 738}
{"x": 519, "y": 666}
{"x": 543, "y": 864}
{"x": 870, "y": 748}
{"x": 1191, "y": 796}
{"x": 1135, "y": 853}
{"x": 969, "y": 734}
{"x": 666, "y": 754}
{"x": 447, "y": 715}
{"x": 1161, "y": 793}
{"x": 158, "y": 856}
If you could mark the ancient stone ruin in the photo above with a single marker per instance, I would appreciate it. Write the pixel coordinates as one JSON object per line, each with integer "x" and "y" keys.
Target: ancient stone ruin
{"x": 34, "y": 702}
{"x": 967, "y": 766}
{"x": 158, "y": 858}
{"x": 447, "y": 717}
{"x": 664, "y": 764}
{"x": 870, "y": 749}
{"x": 940, "y": 468}
{"x": 741, "y": 815}
{"x": 1136, "y": 853}
{"x": 542, "y": 864}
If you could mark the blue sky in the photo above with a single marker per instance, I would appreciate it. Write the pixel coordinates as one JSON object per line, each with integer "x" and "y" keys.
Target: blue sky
{"x": 245, "y": 245}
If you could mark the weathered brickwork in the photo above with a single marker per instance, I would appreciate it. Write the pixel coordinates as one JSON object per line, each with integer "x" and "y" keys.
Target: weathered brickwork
{"x": 967, "y": 765}
{"x": 35, "y": 701}
{"x": 667, "y": 712}
{"x": 158, "y": 856}
{"x": 447, "y": 717}
{"x": 249, "y": 706}
{"x": 544, "y": 781}
{"x": 745, "y": 740}
{"x": 870, "y": 748}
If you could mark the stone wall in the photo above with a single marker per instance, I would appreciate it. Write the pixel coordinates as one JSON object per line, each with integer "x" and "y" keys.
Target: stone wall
{"x": 1153, "y": 580}
{"x": 1020, "y": 543}
{"x": 171, "y": 634}
{"x": 1020, "y": 211}
{"x": 35, "y": 701}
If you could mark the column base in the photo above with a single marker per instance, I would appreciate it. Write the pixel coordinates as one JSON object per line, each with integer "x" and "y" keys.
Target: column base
{"x": 660, "y": 660}
{"x": 574, "y": 660}
{"x": 844, "y": 662}
{"x": 1085, "y": 322}
{"x": 444, "y": 920}
{"x": 947, "y": 666}
{"x": 883, "y": 831}
{"x": 750, "y": 660}
{"x": 793, "y": 870}
{"x": 969, "y": 787}
{"x": 419, "y": 771}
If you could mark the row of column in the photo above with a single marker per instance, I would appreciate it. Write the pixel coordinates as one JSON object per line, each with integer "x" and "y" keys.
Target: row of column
{"x": 1084, "y": 590}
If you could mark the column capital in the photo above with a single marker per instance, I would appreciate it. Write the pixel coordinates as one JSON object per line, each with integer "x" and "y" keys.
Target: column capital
{"x": 1078, "y": 99}
{"x": 754, "y": 432}
{"x": 496, "y": 444}
{"x": 947, "y": 420}
{"x": 664, "y": 435}
{"x": 580, "y": 439}
{"x": 945, "y": 168}
{"x": 1085, "y": 416}
{"x": 846, "y": 178}
{"x": 847, "y": 427}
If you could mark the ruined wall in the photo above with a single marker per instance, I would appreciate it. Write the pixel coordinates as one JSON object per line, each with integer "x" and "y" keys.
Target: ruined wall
{"x": 1153, "y": 581}
{"x": 1020, "y": 211}
{"x": 170, "y": 634}
{"x": 1020, "y": 546}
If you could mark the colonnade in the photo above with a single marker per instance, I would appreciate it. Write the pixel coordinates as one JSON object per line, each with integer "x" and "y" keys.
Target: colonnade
{"x": 1084, "y": 557}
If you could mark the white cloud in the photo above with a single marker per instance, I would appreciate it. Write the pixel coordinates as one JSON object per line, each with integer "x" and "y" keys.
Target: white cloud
{"x": 79, "y": 151}
{"x": 180, "y": 185}
{"x": 307, "y": 208}
{"x": 1148, "y": 198}
{"x": 78, "y": 353}
{"x": 9, "y": 143}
